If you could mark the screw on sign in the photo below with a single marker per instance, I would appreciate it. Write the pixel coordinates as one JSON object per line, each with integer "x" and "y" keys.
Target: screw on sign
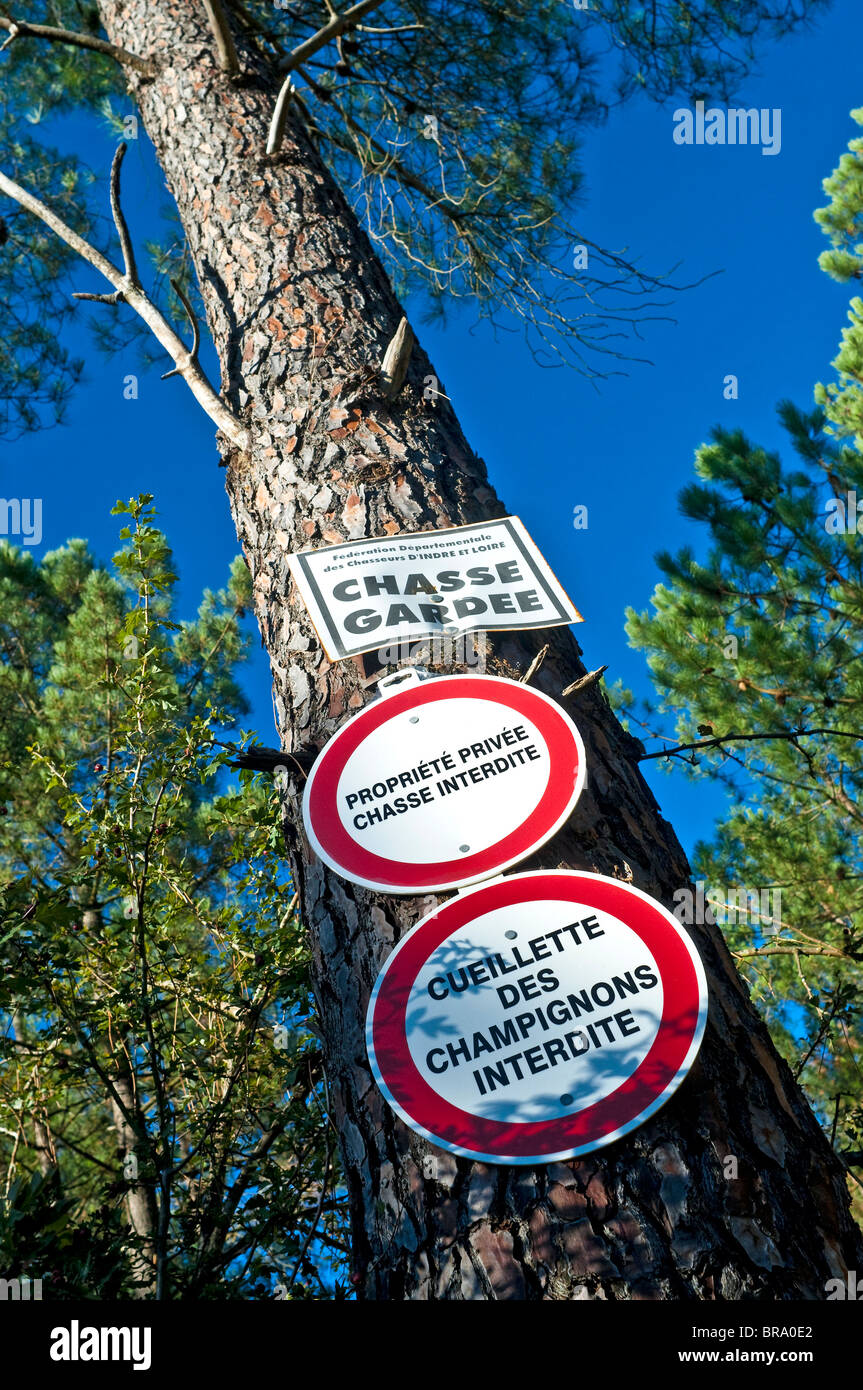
{"x": 442, "y": 783}
{"x": 537, "y": 1017}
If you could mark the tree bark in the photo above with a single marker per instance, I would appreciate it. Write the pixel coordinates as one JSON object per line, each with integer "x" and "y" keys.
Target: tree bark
{"x": 301, "y": 313}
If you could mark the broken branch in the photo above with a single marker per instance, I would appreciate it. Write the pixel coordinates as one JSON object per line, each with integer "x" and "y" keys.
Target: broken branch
{"x": 135, "y": 297}
{"x": 280, "y": 111}
{"x": 115, "y": 298}
{"x": 535, "y": 664}
{"x": 584, "y": 681}
{"x": 396, "y": 358}
{"x": 225, "y": 47}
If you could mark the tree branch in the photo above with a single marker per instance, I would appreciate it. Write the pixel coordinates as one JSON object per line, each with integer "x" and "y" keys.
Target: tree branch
{"x": 19, "y": 28}
{"x": 131, "y": 269}
{"x": 396, "y": 359}
{"x": 337, "y": 25}
{"x": 129, "y": 265}
{"x": 317, "y": 1216}
{"x": 277, "y": 124}
{"x": 535, "y": 664}
{"x": 584, "y": 682}
{"x": 789, "y": 734}
{"x": 756, "y": 952}
{"x": 228, "y": 60}
{"x": 192, "y": 354}
{"x": 187, "y": 367}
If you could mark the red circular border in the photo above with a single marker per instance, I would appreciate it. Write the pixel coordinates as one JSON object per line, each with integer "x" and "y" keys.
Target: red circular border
{"x": 464, "y": 1130}
{"x": 355, "y": 860}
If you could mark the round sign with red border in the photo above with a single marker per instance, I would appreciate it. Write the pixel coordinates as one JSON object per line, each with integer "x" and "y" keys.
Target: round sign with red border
{"x": 538, "y": 1017}
{"x": 443, "y": 783}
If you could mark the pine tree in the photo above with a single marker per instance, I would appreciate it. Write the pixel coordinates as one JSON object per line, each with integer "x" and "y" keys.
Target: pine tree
{"x": 438, "y": 116}
{"x": 160, "y": 1098}
{"x": 756, "y": 652}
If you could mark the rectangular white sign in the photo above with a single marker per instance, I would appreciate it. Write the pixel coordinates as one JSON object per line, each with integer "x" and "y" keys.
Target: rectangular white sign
{"x": 365, "y": 594}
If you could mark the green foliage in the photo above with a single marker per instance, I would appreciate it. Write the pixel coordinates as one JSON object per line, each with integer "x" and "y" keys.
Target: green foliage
{"x": 41, "y": 1230}
{"x": 755, "y": 653}
{"x": 454, "y": 125}
{"x": 36, "y": 373}
{"x": 38, "y": 81}
{"x": 842, "y": 222}
{"x": 700, "y": 47}
{"x": 841, "y": 219}
{"x": 163, "y": 1121}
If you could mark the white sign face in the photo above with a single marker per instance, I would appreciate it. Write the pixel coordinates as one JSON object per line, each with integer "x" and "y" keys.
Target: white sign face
{"x": 443, "y": 783}
{"x": 367, "y": 594}
{"x": 537, "y": 1017}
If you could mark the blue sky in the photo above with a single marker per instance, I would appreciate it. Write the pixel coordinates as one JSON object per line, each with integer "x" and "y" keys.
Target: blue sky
{"x": 550, "y": 439}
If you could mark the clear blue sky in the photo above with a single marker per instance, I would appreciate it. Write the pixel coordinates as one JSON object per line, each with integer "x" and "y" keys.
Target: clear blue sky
{"x": 550, "y": 440}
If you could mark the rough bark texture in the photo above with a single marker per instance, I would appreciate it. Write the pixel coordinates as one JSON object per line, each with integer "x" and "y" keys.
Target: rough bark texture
{"x": 300, "y": 309}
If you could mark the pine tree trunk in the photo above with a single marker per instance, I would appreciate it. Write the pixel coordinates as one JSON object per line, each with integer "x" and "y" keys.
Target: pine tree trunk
{"x": 298, "y": 306}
